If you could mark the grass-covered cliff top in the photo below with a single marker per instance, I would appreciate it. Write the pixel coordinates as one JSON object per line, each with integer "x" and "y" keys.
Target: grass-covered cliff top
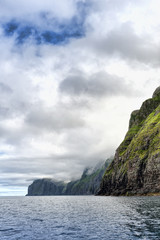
{"x": 135, "y": 169}
{"x": 138, "y": 117}
{"x": 147, "y": 141}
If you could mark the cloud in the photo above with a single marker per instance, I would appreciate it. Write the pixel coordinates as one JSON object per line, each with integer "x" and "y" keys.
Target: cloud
{"x": 112, "y": 5}
{"x": 21, "y": 9}
{"x": 124, "y": 43}
{"x": 22, "y": 171}
{"x": 99, "y": 85}
{"x": 71, "y": 73}
{"x": 57, "y": 120}
{"x": 60, "y": 34}
{"x": 16, "y": 95}
{"x": 44, "y": 22}
{"x": 5, "y": 89}
{"x": 36, "y": 122}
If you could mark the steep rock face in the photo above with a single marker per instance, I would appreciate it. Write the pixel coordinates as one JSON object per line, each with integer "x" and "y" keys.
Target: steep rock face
{"x": 45, "y": 187}
{"x": 136, "y": 165}
{"x": 88, "y": 184}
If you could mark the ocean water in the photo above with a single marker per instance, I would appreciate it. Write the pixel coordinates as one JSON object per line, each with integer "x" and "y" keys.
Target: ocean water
{"x": 79, "y": 217}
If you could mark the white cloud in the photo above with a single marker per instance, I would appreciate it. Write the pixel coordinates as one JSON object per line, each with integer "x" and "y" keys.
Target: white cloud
{"x": 46, "y": 132}
{"x": 63, "y": 9}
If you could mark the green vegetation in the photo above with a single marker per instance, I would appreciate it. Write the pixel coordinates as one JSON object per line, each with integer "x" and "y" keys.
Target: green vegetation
{"x": 138, "y": 119}
{"x": 128, "y": 138}
{"x": 136, "y": 166}
{"x": 144, "y": 141}
{"x": 148, "y": 139}
{"x": 89, "y": 183}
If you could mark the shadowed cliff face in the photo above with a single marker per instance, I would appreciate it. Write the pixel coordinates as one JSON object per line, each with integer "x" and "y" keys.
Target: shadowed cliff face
{"x": 136, "y": 165}
{"x": 88, "y": 184}
{"x": 45, "y": 187}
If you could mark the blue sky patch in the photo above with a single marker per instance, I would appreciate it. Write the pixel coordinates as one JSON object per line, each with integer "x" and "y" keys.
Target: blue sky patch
{"x": 22, "y": 32}
{"x": 56, "y": 32}
{"x": 10, "y": 28}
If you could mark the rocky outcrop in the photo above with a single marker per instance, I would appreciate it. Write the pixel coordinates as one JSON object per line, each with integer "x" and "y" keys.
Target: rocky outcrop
{"x": 46, "y": 187}
{"x": 88, "y": 184}
{"x": 90, "y": 181}
{"x": 135, "y": 169}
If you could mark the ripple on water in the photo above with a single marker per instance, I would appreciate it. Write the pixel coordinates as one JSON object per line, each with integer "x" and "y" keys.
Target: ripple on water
{"x": 80, "y": 217}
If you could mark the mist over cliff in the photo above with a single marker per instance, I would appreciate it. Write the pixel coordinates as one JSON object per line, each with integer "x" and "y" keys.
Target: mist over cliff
{"x": 88, "y": 184}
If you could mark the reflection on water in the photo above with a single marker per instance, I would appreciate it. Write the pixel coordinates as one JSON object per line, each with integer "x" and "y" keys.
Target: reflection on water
{"x": 79, "y": 217}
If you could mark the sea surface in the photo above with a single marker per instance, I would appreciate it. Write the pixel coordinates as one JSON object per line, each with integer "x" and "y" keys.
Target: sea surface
{"x": 79, "y": 217}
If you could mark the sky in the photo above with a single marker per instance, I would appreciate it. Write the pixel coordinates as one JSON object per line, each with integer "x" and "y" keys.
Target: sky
{"x": 72, "y": 71}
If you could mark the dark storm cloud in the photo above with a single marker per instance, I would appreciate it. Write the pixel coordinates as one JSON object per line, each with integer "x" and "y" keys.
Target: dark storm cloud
{"x": 98, "y": 85}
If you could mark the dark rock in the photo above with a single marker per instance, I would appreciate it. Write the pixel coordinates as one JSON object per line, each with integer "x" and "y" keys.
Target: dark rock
{"x": 45, "y": 187}
{"x": 156, "y": 93}
{"x": 88, "y": 184}
{"x": 136, "y": 165}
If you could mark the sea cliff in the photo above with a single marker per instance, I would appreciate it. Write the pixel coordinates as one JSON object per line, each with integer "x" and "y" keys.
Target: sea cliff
{"x": 88, "y": 184}
{"x": 135, "y": 169}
